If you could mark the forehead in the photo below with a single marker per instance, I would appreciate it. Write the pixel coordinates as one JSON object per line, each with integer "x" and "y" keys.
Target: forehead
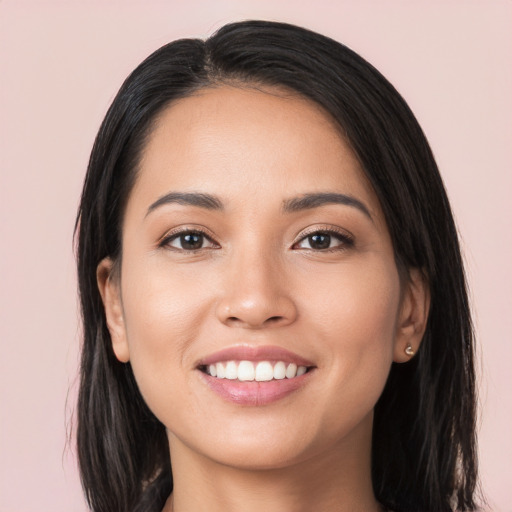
{"x": 241, "y": 143}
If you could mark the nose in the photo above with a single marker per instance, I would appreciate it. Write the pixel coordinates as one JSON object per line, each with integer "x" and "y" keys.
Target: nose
{"x": 256, "y": 294}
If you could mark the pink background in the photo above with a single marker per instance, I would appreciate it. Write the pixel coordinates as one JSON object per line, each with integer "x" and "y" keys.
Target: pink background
{"x": 61, "y": 63}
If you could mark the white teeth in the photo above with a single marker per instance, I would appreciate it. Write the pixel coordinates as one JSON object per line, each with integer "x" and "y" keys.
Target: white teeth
{"x": 263, "y": 371}
{"x": 279, "y": 370}
{"x": 221, "y": 374}
{"x": 246, "y": 370}
{"x": 231, "y": 370}
{"x": 291, "y": 371}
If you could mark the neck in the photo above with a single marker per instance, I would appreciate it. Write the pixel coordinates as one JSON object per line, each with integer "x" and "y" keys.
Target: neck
{"x": 337, "y": 481}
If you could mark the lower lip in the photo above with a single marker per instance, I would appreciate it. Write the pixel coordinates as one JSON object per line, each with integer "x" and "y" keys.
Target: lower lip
{"x": 255, "y": 393}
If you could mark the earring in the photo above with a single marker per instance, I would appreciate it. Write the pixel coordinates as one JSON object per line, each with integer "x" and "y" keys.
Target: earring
{"x": 409, "y": 350}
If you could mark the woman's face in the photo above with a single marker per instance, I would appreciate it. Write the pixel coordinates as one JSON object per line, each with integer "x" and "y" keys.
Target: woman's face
{"x": 252, "y": 235}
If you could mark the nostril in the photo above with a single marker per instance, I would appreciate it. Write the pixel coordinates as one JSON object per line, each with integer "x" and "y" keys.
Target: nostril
{"x": 274, "y": 319}
{"x": 255, "y": 312}
{"x": 269, "y": 321}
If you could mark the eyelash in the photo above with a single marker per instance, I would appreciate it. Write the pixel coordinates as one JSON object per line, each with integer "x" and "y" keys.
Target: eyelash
{"x": 346, "y": 240}
{"x": 174, "y": 235}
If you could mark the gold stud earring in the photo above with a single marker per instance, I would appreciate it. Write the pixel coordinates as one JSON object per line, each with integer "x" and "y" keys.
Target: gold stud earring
{"x": 409, "y": 350}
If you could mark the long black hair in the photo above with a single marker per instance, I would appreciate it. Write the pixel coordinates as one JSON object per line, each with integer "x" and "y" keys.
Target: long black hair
{"x": 423, "y": 451}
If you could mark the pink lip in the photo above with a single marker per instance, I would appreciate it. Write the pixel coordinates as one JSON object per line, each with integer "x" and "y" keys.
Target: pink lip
{"x": 255, "y": 354}
{"x": 255, "y": 393}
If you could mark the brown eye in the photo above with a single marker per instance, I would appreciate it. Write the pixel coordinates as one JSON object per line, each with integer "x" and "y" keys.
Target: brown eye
{"x": 324, "y": 240}
{"x": 319, "y": 241}
{"x": 188, "y": 241}
{"x": 191, "y": 241}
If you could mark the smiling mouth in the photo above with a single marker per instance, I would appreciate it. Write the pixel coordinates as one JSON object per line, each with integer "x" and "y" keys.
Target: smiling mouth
{"x": 249, "y": 371}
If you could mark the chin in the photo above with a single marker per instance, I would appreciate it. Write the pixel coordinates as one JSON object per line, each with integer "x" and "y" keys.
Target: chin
{"x": 258, "y": 456}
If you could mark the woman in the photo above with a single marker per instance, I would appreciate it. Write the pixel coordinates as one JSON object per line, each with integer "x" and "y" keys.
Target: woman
{"x": 274, "y": 305}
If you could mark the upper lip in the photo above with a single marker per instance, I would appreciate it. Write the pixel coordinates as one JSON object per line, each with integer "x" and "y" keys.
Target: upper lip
{"x": 251, "y": 353}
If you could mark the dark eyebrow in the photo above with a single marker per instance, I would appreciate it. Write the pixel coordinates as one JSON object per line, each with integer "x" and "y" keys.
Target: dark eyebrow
{"x": 188, "y": 198}
{"x": 315, "y": 200}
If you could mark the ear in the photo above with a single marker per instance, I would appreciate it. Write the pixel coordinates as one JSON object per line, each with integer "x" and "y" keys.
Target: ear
{"x": 110, "y": 291}
{"x": 413, "y": 316}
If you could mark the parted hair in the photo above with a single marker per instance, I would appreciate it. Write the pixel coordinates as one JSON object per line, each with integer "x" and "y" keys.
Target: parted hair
{"x": 423, "y": 448}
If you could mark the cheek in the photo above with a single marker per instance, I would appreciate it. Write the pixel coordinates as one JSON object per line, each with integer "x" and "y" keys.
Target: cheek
{"x": 161, "y": 310}
{"x": 162, "y": 301}
{"x": 357, "y": 319}
{"x": 359, "y": 303}
{"x": 362, "y": 304}
{"x": 372, "y": 310}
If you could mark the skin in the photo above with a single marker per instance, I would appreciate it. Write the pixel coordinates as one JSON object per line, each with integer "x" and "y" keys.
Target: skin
{"x": 256, "y": 281}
